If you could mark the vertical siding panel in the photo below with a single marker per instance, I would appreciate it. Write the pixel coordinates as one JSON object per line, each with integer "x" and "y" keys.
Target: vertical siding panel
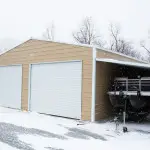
{"x": 103, "y": 106}
{"x": 24, "y": 98}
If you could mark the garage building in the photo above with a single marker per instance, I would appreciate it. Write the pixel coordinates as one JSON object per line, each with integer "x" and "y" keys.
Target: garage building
{"x": 62, "y": 79}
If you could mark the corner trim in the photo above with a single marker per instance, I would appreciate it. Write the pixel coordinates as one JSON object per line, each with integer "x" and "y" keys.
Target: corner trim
{"x": 93, "y": 85}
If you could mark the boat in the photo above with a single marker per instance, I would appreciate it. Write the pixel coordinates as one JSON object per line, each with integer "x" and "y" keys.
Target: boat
{"x": 132, "y": 96}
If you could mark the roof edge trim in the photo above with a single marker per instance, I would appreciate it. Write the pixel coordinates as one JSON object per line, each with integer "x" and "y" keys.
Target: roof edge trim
{"x": 126, "y": 63}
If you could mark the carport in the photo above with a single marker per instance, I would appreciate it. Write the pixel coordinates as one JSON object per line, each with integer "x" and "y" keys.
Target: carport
{"x": 106, "y": 70}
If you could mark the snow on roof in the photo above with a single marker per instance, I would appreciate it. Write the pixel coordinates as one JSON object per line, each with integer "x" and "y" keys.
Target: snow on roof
{"x": 126, "y": 63}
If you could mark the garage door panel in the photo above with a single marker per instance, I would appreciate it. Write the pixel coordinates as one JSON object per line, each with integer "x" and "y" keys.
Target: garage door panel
{"x": 56, "y": 89}
{"x": 10, "y": 86}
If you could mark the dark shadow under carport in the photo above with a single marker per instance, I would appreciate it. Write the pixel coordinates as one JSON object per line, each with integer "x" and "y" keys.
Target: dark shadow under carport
{"x": 105, "y": 74}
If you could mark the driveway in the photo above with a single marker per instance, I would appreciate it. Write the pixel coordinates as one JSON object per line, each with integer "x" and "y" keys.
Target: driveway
{"x": 32, "y": 131}
{"x": 10, "y": 133}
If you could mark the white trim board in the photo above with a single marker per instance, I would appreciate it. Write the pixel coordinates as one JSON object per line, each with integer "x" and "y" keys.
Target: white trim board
{"x": 29, "y": 86}
{"x": 11, "y": 65}
{"x": 125, "y": 63}
{"x": 93, "y": 86}
{"x": 56, "y": 62}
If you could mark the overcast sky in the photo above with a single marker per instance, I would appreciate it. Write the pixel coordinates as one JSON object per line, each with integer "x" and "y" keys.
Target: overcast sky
{"x": 22, "y": 19}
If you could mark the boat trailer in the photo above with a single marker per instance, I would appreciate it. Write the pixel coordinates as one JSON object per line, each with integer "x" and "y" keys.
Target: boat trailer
{"x": 130, "y": 98}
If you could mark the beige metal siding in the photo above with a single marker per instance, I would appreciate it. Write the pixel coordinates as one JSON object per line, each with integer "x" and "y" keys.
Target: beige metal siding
{"x": 36, "y": 51}
{"x": 105, "y": 54}
{"x": 103, "y": 106}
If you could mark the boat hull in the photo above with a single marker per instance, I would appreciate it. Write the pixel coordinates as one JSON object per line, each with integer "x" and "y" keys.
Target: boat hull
{"x": 132, "y": 96}
{"x": 116, "y": 101}
{"x": 138, "y": 102}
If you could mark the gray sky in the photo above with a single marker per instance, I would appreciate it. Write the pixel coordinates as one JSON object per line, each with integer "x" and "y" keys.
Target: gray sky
{"x": 22, "y": 19}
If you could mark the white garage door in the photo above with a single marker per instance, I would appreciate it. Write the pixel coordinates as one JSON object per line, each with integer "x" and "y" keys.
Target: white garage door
{"x": 55, "y": 88}
{"x": 10, "y": 86}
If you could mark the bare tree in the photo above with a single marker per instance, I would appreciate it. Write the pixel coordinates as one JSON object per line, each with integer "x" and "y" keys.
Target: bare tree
{"x": 119, "y": 44}
{"x": 87, "y": 34}
{"x": 49, "y": 33}
{"x": 114, "y": 33}
{"x": 143, "y": 45}
{"x": 147, "y": 48}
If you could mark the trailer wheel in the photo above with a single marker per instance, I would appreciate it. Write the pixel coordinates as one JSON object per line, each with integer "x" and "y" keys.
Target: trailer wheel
{"x": 125, "y": 129}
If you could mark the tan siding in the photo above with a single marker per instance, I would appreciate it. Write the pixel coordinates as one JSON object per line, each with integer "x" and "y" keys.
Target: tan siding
{"x": 105, "y": 54}
{"x": 35, "y": 51}
{"x": 103, "y": 74}
{"x": 25, "y": 74}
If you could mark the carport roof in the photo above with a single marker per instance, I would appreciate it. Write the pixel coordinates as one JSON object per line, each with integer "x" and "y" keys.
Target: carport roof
{"x": 125, "y": 63}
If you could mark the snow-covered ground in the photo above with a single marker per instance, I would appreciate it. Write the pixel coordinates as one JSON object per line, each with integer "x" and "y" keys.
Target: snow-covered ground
{"x": 29, "y": 131}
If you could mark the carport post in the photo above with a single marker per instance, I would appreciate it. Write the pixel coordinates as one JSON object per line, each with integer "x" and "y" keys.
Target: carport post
{"x": 93, "y": 85}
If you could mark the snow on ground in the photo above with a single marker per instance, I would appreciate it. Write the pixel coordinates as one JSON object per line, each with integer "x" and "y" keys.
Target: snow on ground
{"x": 29, "y": 131}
